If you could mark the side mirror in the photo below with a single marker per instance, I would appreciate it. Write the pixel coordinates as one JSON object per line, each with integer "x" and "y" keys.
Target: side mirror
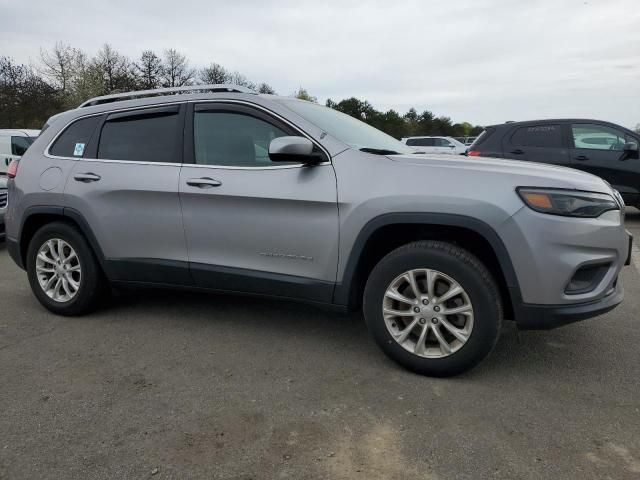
{"x": 630, "y": 150}
{"x": 292, "y": 149}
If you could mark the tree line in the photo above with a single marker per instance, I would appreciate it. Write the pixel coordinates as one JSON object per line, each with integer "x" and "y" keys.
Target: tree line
{"x": 64, "y": 76}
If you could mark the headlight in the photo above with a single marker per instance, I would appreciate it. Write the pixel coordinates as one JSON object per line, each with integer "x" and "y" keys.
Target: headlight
{"x": 568, "y": 203}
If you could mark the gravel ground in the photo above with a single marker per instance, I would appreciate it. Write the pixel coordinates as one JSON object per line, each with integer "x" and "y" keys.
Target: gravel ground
{"x": 183, "y": 385}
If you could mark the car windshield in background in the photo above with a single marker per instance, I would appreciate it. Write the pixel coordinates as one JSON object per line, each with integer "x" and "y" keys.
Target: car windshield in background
{"x": 353, "y": 132}
{"x": 19, "y": 145}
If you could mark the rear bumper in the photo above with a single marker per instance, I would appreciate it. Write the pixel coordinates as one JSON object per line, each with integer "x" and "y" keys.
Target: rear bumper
{"x": 546, "y": 317}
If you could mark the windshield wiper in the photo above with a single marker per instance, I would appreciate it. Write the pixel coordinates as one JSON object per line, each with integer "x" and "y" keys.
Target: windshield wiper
{"x": 379, "y": 151}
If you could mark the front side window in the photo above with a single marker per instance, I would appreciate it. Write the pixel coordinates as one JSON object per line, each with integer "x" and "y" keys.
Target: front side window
{"x": 142, "y": 136}
{"x": 19, "y": 145}
{"x": 72, "y": 142}
{"x": 443, "y": 142}
{"x": 228, "y": 138}
{"x": 598, "y": 137}
{"x": 546, "y": 136}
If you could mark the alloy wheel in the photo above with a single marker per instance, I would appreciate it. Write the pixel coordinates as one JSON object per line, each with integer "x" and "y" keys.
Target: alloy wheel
{"x": 428, "y": 313}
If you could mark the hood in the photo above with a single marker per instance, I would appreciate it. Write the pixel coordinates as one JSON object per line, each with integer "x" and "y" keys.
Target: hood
{"x": 522, "y": 173}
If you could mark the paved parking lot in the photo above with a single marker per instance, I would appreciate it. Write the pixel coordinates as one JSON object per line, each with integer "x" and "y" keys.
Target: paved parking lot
{"x": 184, "y": 385}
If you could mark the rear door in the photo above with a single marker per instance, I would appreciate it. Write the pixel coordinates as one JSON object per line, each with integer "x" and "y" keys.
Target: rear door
{"x": 544, "y": 143}
{"x": 125, "y": 186}
{"x": 598, "y": 149}
{"x": 253, "y": 225}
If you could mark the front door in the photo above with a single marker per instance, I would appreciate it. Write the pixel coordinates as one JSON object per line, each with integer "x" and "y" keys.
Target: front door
{"x": 598, "y": 149}
{"x": 254, "y": 225}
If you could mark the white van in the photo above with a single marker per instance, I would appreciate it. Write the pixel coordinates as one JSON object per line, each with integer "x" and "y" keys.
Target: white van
{"x": 13, "y": 144}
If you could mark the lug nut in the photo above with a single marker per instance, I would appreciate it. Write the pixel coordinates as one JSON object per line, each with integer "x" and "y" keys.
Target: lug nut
{"x": 422, "y": 321}
{"x": 436, "y": 309}
{"x": 434, "y": 321}
{"x": 416, "y": 309}
{"x": 425, "y": 302}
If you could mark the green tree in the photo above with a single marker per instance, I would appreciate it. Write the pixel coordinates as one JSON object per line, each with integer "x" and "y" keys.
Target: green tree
{"x": 266, "y": 88}
{"x": 149, "y": 70}
{"x": 26, "y": 99}
{"x": 303, "y": 94}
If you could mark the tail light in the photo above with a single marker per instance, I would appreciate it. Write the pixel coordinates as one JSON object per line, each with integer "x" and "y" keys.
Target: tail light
{"x": 473, "y": 153}
{"x": 12, "y": 169}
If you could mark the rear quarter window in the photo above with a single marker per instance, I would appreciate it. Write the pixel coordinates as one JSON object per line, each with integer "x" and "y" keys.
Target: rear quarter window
{"x": 73, "y": 140}
{"x": 549, "y": 136}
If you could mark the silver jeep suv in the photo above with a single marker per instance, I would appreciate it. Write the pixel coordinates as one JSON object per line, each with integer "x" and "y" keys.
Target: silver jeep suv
{"x": 217, "y": 187}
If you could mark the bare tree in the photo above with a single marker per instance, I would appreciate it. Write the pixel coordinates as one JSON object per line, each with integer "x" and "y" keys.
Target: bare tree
{"x": 116, "y": 70}
{"x": 177, "y": 72}
{"x": 214, "y": 74}
{"x": 58, "y": 65}
{"x": 236, "y": 78}
{"x": 149, "y": 70}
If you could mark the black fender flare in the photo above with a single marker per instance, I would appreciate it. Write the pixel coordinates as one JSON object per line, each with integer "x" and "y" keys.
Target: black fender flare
{"x": 62, "y": 212}
{"x": 344, "y": 289}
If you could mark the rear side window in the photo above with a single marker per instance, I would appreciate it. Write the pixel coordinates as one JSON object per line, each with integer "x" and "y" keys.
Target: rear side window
{"x": 72, "y": 142}
{"x": 19, "y": 145}
{"x": 143, "y": 136}
{"x": 549, "y": 136}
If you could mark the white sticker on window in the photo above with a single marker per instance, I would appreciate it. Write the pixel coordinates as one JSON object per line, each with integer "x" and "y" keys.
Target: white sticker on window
{"x": 79, "y": 150}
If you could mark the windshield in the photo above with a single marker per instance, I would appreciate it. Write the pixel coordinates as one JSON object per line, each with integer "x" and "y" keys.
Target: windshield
{"x": 347, "y": 129}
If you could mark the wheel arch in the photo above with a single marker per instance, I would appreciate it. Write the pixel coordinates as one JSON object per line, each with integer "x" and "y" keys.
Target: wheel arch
{"x": 37, "y": 216}
{"x": 374, "y": 242}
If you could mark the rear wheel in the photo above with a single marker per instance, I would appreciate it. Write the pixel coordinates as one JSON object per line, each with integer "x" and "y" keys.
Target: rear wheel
{"x": 433, "y": 307}
{"x": 63, "y": 272}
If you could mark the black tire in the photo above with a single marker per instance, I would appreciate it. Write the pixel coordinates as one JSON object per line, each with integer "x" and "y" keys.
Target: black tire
{"x": 470, "y": 274}
{"x": 92, "y": 284}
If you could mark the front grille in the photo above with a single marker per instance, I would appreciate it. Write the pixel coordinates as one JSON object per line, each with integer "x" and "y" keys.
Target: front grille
{"x": 4, "y": 196}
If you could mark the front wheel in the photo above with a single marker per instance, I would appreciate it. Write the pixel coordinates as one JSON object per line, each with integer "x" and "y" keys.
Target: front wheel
{"x": 63, "y": 272}
{"x": 433, "y": 307}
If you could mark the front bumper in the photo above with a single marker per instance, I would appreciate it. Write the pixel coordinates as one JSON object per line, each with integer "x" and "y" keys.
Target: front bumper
{"x": 14, "y": 251}
{"x": 3, "y": 232}
{"x": 546, "y": 317}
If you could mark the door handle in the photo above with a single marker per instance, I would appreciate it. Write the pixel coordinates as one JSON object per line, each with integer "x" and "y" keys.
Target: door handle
{"x": 204, "y": 182}
{"x": 517, "y": 151}
{"x": 582, "y": 158}
{"x": 86, "y": 177}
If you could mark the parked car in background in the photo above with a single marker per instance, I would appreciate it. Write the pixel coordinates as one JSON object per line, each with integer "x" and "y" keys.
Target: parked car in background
{"x": 602, "y": 148}
{"x": 220, "y": 188}
{"x": 466, "y": 140}
{"x": 13, "y": 144}
{"x": 447, "y": 145}
{"x": 3, "y": 204}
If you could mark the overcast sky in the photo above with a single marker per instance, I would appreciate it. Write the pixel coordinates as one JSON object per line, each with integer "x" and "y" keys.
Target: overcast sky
{"x": 483, "y": 61}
